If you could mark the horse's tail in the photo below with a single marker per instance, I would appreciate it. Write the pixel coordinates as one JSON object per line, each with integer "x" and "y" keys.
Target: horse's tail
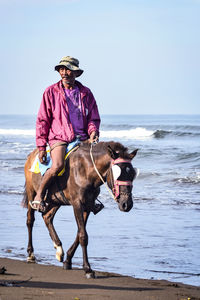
{"x": 24, "y": 202}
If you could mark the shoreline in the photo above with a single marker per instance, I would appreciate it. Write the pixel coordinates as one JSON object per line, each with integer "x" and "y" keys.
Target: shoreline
{"x": 24, "y": 280}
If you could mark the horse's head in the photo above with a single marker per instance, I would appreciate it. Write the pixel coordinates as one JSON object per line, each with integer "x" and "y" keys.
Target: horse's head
{"x": 120, "y": 177}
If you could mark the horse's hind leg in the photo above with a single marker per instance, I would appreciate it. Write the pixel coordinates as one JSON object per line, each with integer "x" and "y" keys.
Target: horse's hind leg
{"x": 30, "y": 194}
{"x": 48, "y": 219}
{"x": 30, "y": 222}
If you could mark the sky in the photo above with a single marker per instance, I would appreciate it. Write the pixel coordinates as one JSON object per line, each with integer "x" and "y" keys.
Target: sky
{"x": 138, "y": 56}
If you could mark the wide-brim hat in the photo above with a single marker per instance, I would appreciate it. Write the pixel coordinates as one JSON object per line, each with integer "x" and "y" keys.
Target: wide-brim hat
{"x": 71, "y": 63}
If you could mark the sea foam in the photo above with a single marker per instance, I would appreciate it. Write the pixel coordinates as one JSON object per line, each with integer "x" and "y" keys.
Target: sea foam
{"x": 30, "y": 132}
{"x": 138, "y": 133}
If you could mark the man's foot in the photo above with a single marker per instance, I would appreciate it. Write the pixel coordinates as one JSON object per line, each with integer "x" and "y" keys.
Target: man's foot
{"x": 38, "y": 205}
{"x": 97, "y": 208}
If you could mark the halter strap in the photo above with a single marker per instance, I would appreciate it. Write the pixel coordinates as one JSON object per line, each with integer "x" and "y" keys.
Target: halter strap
{"x": 118, "y": 183}
{"x": 120, "y": 160}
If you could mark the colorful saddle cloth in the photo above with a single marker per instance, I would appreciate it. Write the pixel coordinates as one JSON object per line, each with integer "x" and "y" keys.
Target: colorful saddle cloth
{"x": 37, "y": 167}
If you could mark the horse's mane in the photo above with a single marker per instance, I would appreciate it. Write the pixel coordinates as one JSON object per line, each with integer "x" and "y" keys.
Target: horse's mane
{"x": 102, "y": 147}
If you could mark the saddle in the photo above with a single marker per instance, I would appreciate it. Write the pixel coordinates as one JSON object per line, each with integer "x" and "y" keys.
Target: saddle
{"x": 38, "y": 167}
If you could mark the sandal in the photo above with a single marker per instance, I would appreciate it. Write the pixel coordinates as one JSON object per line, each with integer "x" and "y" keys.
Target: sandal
{"x": 38, "y": 205}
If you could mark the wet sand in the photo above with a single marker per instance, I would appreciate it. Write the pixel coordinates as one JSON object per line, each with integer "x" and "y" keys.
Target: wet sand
{"x": 34, "y": 281}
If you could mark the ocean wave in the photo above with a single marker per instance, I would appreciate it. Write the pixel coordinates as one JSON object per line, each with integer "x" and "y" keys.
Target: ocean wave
{"x": 11, "y": 192}
{"x": 29, "y": 132}
{"x": 138, "y": 133}
{"x": 118, "y": 132}
{"x": 188, "y": 157}
{"x": 189, "y": 179}
{"x": 163, "y": 133}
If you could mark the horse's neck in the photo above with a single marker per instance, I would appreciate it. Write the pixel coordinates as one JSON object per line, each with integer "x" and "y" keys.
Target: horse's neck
{"x": 99, "y": 156}
{"x": 103, "y": 163}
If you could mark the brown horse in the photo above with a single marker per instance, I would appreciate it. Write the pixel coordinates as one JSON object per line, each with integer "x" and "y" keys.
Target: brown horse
{"x": 79, "y": 186}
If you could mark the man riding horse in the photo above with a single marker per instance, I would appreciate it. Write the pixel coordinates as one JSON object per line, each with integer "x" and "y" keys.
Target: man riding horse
{"x": 68, "y": 109}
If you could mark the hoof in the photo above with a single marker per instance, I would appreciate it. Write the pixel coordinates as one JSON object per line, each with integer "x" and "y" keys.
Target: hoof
{"x": 90, "y": 275}
{"x": 31, "y": 258}
{"x": 67, "y": 266}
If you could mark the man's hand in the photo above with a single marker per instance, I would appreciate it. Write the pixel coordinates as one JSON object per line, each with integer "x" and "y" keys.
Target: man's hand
{"x": 42, "y": 156}
{"x": 94, "y": 138}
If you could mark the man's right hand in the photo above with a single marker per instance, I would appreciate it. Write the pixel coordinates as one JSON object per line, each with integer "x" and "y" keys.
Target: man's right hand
{"x": 42, "y": 156}
{"x": 94, "y": 138}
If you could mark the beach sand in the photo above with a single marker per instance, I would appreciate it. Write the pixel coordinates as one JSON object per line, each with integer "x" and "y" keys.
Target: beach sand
{"x": 29, "y": 281}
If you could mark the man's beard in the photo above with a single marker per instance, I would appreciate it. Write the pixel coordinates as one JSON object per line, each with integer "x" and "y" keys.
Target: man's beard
{"x": 68, "y": 80}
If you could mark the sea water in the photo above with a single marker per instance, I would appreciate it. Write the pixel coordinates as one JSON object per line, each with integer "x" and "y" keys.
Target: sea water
{"x": 159, "y": 238}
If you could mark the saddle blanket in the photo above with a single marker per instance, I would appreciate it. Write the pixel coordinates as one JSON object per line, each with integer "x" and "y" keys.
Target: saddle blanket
{"x": 37, "y": 167}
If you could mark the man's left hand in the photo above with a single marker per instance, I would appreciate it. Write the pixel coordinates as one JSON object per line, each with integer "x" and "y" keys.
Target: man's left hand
{"x": 94, "y": 138}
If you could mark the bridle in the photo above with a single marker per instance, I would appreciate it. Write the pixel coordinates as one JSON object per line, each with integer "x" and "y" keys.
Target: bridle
{"x": 115, "y": 184}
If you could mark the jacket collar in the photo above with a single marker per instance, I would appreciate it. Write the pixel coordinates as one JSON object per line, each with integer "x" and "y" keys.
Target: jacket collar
{"x": 81, "y": 87}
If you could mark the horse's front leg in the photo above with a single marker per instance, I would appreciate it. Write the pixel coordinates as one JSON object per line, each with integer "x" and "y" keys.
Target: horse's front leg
{"x": 67, "y": 265}
{"x": 83, "y": 239}
{"x": 48, "y": 219}
{"x": 29, "y": 222}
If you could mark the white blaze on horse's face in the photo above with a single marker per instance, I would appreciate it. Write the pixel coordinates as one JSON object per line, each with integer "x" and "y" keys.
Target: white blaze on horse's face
{"x": 116, "y": 170}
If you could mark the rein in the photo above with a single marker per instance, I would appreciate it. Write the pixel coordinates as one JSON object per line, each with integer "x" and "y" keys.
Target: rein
{"x": 105, "y": 183}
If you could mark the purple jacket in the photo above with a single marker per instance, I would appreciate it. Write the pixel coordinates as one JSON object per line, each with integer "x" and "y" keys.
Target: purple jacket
{"x": 53, "y": 122}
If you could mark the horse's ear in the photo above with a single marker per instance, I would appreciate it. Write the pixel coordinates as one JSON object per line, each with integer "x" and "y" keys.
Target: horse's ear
{"x": 112, "y": 152}
{"x": 133, "y": 154}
